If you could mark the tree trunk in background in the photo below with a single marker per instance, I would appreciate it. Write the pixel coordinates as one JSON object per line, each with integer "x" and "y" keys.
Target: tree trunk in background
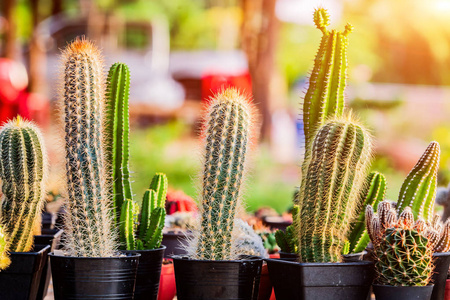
{"x": 9, "y": 49}
{"x": 259, "y": 36}
{"x": 36, "y": 54}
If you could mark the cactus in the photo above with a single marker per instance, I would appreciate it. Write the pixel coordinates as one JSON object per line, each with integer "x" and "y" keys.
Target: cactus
{"x": 329, "y": 194}
{"x": 443, "y": 198}
{"x": 88, "y": 221}
{"x": 288, "y": 241}
{"x": 403, "y": 248}
{"x": 228, "y": 132}
{"x": 325, "y": 95}
{"x": 419, "y": 188}
{"x": 371, "y": 194}
{"x": 4, "y": 258}
{"x": 117, "y": 128}
{"x": 248, "y": 242}
{"x": 23, "y": 172}
{"x": 143, "y": 230}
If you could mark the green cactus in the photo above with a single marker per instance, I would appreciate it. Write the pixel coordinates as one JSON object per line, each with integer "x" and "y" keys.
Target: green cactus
{"x": 117, "y": 126}
{"x": 371, "y": 194}
{"x": 23, "y": 172}
{"x": 288, "y": 240}
{"x": 143, "y": 231}
{"x": 324, "y": 98}
{"x": 419, "y": 188}
{"x": 5, "y": 261}
{"x": 88, "y": 220}
{"x": 329, "y": 194}
{"x": 228, "y": 132}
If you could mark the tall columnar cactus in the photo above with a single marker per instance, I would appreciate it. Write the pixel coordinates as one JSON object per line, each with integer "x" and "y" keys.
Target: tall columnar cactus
{"x": 5, "y": 261}
{"x": 141, "y": 231}
{"x": 419, "y": 188}
{"x": 329, "y": 192}
{"x": 228, "y": 132}
{"x": 23, "y": 172}
{"x": 371, "y": 194}
{"x": 325, "y": 95}
{"x": 118, "y": 129}
{"x": 88, "y": 219}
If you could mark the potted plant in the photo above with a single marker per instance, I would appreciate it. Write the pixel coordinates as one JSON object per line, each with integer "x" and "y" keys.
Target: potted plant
{"x": 140, "y": 231}
{"x": 403, "y": 250}
{"x": 23, "y": 172}
{"x": 89, "y": 259}
{"x": 212, "y": 268}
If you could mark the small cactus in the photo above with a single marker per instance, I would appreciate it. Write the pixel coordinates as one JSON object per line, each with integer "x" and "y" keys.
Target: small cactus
{"x": 419, "y": 188}
{"x": 89, "y": 221}
{"x": 229, "y": 126}
{"x": 288, "y": 240}
{"x": 23, "y": 173}
{"x": 324, "y": 98}
{"x": 371, "y": 194}
{"x": 5, "y": 261}
{"x": 248, "y": 242}
{"x": 335, "y": 167}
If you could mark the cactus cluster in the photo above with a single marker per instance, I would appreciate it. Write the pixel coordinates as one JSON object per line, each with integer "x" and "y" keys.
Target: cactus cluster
{"x": 288, "y": 240}
{"x": 89, "y": 222}
{"x": 372, "y": 193}
{"x": 228, "y": 132}
{"x": 23, "y": 173}
{"x": 403, "y": 247}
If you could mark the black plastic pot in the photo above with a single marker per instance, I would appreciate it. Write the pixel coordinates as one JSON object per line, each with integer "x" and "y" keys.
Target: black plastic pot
{"x": 48, "y": 220}
{"x": 20, "y": 281}
{"x": 320, "y": 281}
{"x": 86, "y": 278}
{"x": 284, "y": 255}
{"x": 389, "y": 292}
{"x": 49, "y": 237}
{"x": 441, "y": 263}
{"x": 208, "y": 279}
{"x": 148, "y": 273}
{"x": 276, "y": 223}
{"x": 175, "y": 243}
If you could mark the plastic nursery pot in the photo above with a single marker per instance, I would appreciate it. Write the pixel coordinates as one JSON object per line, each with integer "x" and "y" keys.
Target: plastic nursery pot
{"x": 284, "y": 255}
{"x": 49, "y": 237}
{"x": 441, "y": 263}
{"x": 320, "y": 281}
{"x": 148, "y": 273}
{"x": 175, "y": 242}
{"x": 209, "y": 279}
{"x": 94, "y": 278}
{"x": 48, "y": 220}
{"x": 447, "y": 290}
{"x": 20, "y": 281}
{"x": 276, "y": 223}
{"x": 389, "y": 292}
{"x": 167, "y": 288}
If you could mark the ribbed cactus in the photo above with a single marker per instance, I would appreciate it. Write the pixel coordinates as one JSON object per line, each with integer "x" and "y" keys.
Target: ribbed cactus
{"x": 288, "y": 240}
{"x": 372, "y": 193}
{"x": 142, "y": 231}
{"x": 88, "y": 220}
{"x": 325, "y": 95}
{"x": 419, "y": 188}
{"x": 329, "y": 194}
{"x": 4, "y": 257}
{"x": 23, "y": 172}
{"x": 228, "y": 132}
{"x": 403, "y": 248}
{"x": 118, "y": 129}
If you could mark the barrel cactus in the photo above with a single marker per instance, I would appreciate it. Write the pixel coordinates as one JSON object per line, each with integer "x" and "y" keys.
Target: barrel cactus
{"x": 89, "y": 220}
{"x": 23, "y": 173}
{"x": 329, "y": 194}
{"x": 228, "y": 132}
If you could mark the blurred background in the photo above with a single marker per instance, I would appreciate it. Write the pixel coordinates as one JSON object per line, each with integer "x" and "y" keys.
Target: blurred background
{"x": 181, "y": 51}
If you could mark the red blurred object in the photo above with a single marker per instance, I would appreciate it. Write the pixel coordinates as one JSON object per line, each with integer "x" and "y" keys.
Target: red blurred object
{"x": 167, "y": 287}
{"x": 178, "y": 201}
{"x": 265, "y": 286}
{"x": 214, "y": 82}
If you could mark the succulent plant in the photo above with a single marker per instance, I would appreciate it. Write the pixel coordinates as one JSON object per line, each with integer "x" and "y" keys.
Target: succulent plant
{"x": 336, "y": 167}
{"x": 5, "y": 261}
{"x": 403, "y": 247}
{"x": 324, "y": 98}
{"x": 228, "y": 132}
{"x": 248, "y": 242}
{"x": 143, "y": 230}
{"x": 288, "y": 240}
{"x": 23, "y": 173}
{"x": 372, "y": 193}
{"x": 419, "y": 188}
{"x": 88, "y": 221}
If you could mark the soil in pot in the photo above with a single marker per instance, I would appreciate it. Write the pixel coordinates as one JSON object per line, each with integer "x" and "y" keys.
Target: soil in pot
{"x": 388, "y": 292}
{"x": 441, "y": 263}
{"x": 207, "y": 279}
{"x": 20, "y": 281}
{"x": 94, "y": 278}
{"x": 167, "y": 288}
{"x": 148, "y": 273}
{"x": 320, "y": 281}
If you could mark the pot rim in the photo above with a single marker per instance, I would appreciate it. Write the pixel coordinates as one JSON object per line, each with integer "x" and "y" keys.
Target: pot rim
{"x": 439, "y": 254}
{"x": 33, "y": 252}
{"x": 132, "y": 255}
{"x": 327, "y": 264}
{"x": 162, "y": 247}
{"x": 403, "y": 286}
{"x": 246, "y": 259}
